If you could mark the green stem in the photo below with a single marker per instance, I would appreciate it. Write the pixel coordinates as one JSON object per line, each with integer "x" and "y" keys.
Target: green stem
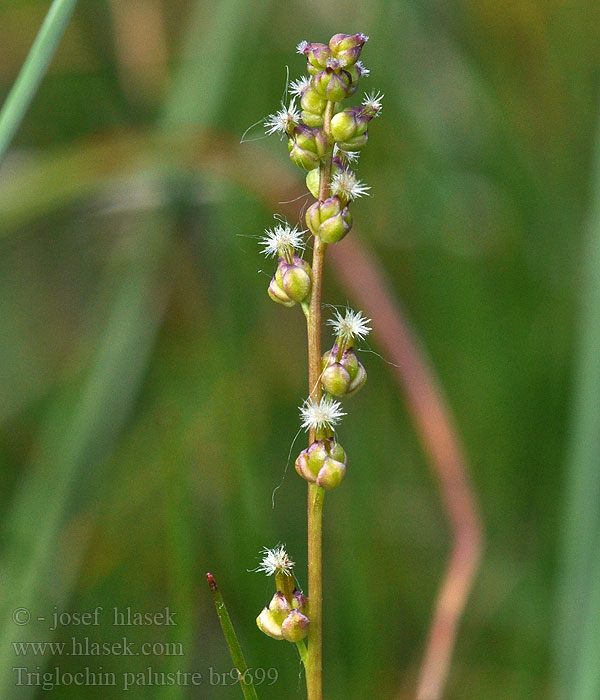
{"x": 314, "y": 662}
{"x": 33, "y": 70}
{"x": 237, "y": 655}
{"x": 301, "y": 646}
{"x": 314, "y": 659}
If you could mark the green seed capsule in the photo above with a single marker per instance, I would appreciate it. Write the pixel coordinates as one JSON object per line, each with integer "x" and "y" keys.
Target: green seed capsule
{"x": 343, "y": 376}
{"x": 292, "y": 282}
{"x": 307, "y": 146}
{"x": 329, "y": 220}
{"x": 313, "y": 102}
{"x": 335, "y": 380}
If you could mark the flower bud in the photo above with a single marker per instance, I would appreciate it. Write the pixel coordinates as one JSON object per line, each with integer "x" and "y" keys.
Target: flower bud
{"x": 331, "y": 85}
{"x": 279, "y": 607}
{"x": 347, "y": 47}
{"x": 323, "y": 463}
{"x": 355, "y": 74}
{"x": 267, "y": 624}
{"x": 313, "y": 106}
{"x": 313, "y": 119}
{"x": 312, "y": 178}
{"x": 277, "y": 294}
{"x": 329, "y": 220}
{"x": 350, "y": 123}
{"x": 295, "y": 626}
{"x": 307, "y": 146}
{"x": 335, "y": 379}
{"x": 299, "y": 601}
{"x": 317, "y": 55}
{"x": 312, "y": 101}
{"x": 312, "y": 182}
{"x": 354, "y": 144}
{"x": 331, "y": 475}
{"x": 343, "y": 376}
{"x": 292, "y": 282}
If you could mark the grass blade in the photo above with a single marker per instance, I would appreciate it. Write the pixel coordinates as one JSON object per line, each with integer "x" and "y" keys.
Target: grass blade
{"x": 237, "y": 656}
{"x": 576, "y": 645}
{"x": 34, "y": 68}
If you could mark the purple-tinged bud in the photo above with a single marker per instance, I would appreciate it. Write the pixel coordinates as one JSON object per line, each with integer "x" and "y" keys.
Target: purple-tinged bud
{"x": 307, "y": 146}
{"x": 292, "y": 281}
{"x": 267, "y": 624}
{"x": 295, "y": 626}
{"x": 355, "y": 74}
{"x": 329, "y": 220}
{"x": 299, "y": 601}
{"x": 331, "y": 475}
{"x": 358, "y": 382}
{"x": 344, "y": 375}
{"x": 347, "y": 47}
{"x": 278, "y": 295}
{"x": 279, "y": 607}
{"x": 317, "y": 54}
{"x": 331, "y": 85}
{"x": 323, "y": 463}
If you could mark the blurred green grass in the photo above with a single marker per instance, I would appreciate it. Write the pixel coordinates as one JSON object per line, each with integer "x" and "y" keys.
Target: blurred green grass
{"x": 149, "y": 387}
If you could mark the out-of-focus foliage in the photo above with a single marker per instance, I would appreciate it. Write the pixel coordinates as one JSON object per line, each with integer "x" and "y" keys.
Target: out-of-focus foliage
{"x": 149, "y": 386}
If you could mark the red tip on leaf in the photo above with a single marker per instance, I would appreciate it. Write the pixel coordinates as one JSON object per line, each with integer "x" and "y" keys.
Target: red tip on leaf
{"x": 211, "y": 582}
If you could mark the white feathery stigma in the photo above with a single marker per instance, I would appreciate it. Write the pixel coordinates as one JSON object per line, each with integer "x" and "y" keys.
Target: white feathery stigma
{"x": 345, "y": 156}
{"x": 275, "y": 561}
{"x": 346, "y": 184}
{"x": 352, "y": 325}
{"x": 301, "y": 47}
{"x": 363, "y": 71}
{"x": 372, "y": 101}
{"x": 297, "y": 87}
{"x": 322, "y": 414}
{"x": 284, "y": 120}
{"x": 282, "y": 240}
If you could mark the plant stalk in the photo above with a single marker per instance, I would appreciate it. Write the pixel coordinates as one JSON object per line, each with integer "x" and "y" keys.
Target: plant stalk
{"x": 314, "y": 661}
